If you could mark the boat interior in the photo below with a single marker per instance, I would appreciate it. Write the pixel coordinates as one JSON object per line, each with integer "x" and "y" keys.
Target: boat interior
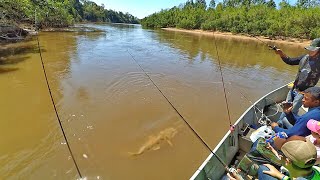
{"x": 236, "y": 144}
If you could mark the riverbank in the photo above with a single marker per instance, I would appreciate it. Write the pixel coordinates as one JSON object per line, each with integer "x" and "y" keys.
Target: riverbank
{"x": 226, "y": 35}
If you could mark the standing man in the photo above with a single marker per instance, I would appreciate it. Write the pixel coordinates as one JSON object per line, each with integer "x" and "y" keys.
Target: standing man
{"x": 307, "y": 76}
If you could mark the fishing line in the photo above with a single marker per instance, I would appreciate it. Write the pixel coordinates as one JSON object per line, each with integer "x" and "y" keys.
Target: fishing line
{"x": 271, "y": 47}
{"x": 193, "y": 130}
{"x": 223, "y": 84}
{"x": 55, "y": 109}
{"x": 261, "y": 111}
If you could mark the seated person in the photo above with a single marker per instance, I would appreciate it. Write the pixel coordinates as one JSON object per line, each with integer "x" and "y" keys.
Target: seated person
{"x": 295, "y": 97}
{"x": 300, "y": 157}
{"x": 314, "y": 127}
{"x": 310, "y": 100}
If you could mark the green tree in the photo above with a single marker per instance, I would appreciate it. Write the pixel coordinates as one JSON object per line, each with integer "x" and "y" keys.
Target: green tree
{"x": 256, "y": 17}
{"x": 284, "y": 4}
{"x": 271, "y": 4}
{"x": 212, "y": 4}
{"x": 201, "y": 3}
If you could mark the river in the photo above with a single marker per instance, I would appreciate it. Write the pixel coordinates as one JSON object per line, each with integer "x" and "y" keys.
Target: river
{"x": 109, "y": 109}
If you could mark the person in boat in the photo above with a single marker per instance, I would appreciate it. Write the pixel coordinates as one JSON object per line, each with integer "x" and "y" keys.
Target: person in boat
{"x": 314, "y": 127}
{"x": 307, "y": 76}
{"x": 299, "y": 159}
{"x": 311, "y": 100}
{"x": 314, "y": 137}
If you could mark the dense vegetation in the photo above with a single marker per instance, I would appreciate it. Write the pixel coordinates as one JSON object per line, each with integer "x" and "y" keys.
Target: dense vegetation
{"x": 58, "y": 13}
{"x": 255, "y": 17}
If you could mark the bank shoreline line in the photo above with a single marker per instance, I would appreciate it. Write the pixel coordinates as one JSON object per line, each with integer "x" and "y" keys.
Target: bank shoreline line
{"x": 228, "y": 35}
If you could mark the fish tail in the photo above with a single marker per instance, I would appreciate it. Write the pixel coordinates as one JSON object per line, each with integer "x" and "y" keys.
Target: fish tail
{"x": 134, "y": 153}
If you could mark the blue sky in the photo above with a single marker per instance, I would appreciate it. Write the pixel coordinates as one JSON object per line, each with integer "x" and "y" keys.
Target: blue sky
{"x": 143, "y": 8}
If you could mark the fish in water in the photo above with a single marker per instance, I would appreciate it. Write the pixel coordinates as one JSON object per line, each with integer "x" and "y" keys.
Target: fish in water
{"x": 154, "y": 142}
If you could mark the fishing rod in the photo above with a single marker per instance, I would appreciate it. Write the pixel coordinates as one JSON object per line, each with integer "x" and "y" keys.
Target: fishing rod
{"x": 275, "y": 49}
{"x": 54, "y": 106}
{"x": 223, "y": 85}
{"x": 219, "y": 63}
{"x": 271, "y": 47}
{"x": 193, "y": 130}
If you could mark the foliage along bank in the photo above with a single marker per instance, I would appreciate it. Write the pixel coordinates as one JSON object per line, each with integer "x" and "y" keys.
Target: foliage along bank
{"x": 58, "y": 13}
{"x": 254, "y": 17}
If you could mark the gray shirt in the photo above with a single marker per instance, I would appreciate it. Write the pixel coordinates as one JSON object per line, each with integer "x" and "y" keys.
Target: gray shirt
{"x": 309, "y": 71}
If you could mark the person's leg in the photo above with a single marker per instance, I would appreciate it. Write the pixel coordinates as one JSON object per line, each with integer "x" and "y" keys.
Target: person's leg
{"x": 280, "y": 120}
{"x": 286, "y": 123}
{"x": 289, "y": 98}
{"x": 263, "y": 176}
{"x": 297, "y": 102}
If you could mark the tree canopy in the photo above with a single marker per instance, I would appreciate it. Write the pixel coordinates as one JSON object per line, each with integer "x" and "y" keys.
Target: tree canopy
{"x": 58, "y": 13}
{"x": 254, "y": 17}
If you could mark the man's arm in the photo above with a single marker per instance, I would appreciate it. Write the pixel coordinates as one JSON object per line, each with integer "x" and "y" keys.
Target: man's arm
{"x": 287, "y": 59}
{"x": 274, "y": 172}
{"x": 292, "y": 131}
{"x": 299, "y": 127}
{"x": 276, "y": 129}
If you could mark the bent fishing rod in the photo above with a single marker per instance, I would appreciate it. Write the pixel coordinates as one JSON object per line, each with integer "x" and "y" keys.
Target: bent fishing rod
{"x": 275, "y": 49}
{"x": 54, "y": 106}
{"x": 231, "y": 170}
{"x": 223, "y": 84}
{"x": 270, "y": 46}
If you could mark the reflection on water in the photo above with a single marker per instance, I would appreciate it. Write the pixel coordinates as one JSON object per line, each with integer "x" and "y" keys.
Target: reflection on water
{"x": 19, "y": 50}
{"x": 109, "y": 107}
{"x": 31, "y": 142}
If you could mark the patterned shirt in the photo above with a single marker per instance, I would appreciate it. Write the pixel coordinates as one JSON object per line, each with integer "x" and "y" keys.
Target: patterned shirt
{"x": 309, "y": 71}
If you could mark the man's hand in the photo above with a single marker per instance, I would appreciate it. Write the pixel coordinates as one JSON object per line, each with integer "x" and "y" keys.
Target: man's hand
{"x": 287, "y": 110}
{"x": 268, "y": 146}
{"x": 279, "y": 51}
{"x": 286, "y": 107}
{"x": 274, "y": 124}
{"x": 273, "y": 171}
{"x": 235, "y": 175}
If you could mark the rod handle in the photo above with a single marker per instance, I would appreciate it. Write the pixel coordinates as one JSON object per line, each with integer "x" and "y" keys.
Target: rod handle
{"x": 272, "y": 47}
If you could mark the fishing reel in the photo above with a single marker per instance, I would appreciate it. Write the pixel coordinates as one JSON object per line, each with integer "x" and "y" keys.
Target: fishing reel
{"x": 234, "y": 173}
{"x": 264, "y": 120}
{"x": 272, "y": 47}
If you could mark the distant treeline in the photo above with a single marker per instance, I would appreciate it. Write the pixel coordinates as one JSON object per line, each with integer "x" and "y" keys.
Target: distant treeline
{"x": 254, "y": 17}
{"x": 58, "y": 13}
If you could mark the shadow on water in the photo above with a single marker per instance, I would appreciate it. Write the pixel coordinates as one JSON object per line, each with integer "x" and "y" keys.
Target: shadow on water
{"x": 4, "y": 61}
{"x": 7, "y": 70}
{"x": 13, "y": 54}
